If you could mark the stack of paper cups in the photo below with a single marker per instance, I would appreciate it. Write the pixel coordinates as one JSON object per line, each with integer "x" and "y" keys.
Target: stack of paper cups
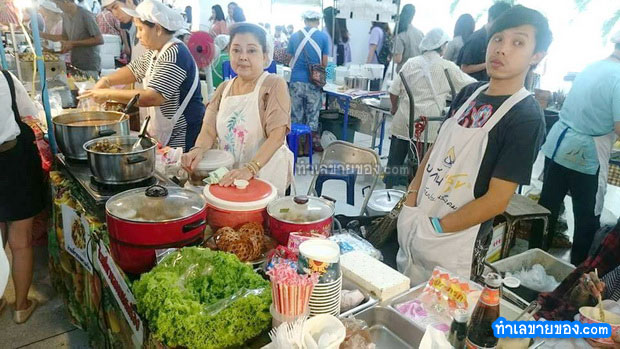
{"x": 323, "y": 257}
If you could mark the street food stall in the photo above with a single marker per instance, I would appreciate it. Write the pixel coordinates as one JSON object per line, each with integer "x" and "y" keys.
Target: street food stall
{"x": 146, "y": 255}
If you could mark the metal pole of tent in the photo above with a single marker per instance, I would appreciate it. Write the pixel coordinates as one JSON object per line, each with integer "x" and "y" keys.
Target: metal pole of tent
{"x": 41, "y": 67}
{"x": 16, "y": 51}
{"x": 5, "y": 65}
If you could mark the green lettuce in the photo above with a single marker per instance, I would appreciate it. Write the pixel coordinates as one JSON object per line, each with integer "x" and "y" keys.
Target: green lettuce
{"x": 198, "y": 298}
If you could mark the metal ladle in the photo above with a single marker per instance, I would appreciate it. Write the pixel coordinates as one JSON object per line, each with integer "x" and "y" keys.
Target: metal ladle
{"x": 143, "y": 141}
{"x": 129, "y": 105}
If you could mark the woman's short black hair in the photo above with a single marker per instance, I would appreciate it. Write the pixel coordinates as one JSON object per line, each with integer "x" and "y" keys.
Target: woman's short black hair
{"x": 238, "y": 15}
{"x": 219, "y": 13}
{"x": 151, "y": 25}
{"x": 464, "y": 26}
{"x": 521, "y": 15}
{"x": 249, "y": 28}
{"x": 406, "y": 16}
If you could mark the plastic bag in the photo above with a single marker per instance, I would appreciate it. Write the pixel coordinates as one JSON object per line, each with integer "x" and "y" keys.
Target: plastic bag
{"x": 357, "y": 335}
{"x": 349, "y": 241}
{"x": 444, "y": 293}
{"x": 198, "y": 298}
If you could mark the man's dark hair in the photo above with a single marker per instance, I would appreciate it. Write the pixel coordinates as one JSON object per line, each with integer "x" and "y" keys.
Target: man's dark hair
{"x": 233, "y": 3}
{"x": 521, "y": 15}
{"x": 219, "y": 13}
{"x": 250, "y": 28}
{"x": 464, "y": 26}
{"x": 497, "y": 9}
{"x": 406, "y": 16}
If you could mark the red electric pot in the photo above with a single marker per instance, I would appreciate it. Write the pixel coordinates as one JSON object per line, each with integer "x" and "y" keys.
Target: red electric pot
{"x": 300, "y": 214}
{"x": 238, "y": 204}
{"x": 143, "y": 220}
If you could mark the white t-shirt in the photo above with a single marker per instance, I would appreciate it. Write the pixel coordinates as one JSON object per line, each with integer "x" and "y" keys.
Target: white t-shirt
{"x": 425, "y": 103}
{"x": 9, "y": 130}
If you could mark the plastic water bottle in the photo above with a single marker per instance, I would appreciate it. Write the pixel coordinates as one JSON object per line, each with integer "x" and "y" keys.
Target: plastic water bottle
{"x": 330, "y": 70}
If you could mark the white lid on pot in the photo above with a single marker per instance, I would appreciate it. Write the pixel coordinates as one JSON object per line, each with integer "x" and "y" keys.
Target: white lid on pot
{"x": 214, "y": 159}
{"x": 257, "y": 194}
{"x": 384, "y": 200}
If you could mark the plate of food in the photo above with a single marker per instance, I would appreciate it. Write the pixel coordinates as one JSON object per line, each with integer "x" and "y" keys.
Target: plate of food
{"x": 249, "y": 242}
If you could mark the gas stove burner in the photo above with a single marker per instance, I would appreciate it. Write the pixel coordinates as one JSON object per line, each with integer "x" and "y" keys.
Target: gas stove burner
{"x": 72, "y": 161}
{"x": 111, "y": 189}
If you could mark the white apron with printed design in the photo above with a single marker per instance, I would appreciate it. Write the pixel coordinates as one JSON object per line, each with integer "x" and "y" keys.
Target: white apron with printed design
{"x": 447, "y": 185}
{"x": 240, "y": 132}
{"x": 160, "y": 127}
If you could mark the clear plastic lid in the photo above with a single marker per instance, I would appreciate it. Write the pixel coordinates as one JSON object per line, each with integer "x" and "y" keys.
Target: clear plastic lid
{"x": 300, "y": 209}
{"x": 155, "y": 204}
{"x": 214, "y": 159}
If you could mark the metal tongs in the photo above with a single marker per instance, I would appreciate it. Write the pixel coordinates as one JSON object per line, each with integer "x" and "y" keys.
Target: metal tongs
{"x": 530, "y": 311}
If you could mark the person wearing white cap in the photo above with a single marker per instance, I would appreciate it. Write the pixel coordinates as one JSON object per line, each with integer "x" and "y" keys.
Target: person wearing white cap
{"x": 80, "y": 36}
{"x": 52, "y": 17}
{"x": 578, "y": 148}
{"x": 168, "y": 73}
{"x": 307, "y": 46}
{"x": 425, "y": 76}
{"x": 249, "y": 116}
{"x": 221, "y": 44}
{"x": 129, "y": 34}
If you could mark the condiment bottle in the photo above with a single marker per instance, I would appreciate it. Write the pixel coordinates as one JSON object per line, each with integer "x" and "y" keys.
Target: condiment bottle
{"x": 458, "y": 329}
{"x": 480, "y": 330}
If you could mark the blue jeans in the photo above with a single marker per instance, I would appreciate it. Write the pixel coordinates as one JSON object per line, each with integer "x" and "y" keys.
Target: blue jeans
{"x": 305, "y": 104}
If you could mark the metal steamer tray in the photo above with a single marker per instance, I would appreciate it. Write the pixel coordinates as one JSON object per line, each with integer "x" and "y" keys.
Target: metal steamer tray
{"x": 522, "y": 295}
{"x": 369, "y": 299}
{"x": 388, "y": 329}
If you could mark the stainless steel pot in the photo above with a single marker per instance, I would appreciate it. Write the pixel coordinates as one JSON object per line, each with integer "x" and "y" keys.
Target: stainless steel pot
{"x": 71, "y": 132}
{"x": 349, "y": 82}
{"x": 382, "y": 201}
{"x": 121, "y": 168}
{"x": 361, "y": 83}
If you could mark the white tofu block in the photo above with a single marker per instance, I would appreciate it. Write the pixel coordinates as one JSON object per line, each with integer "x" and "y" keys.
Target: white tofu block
{"x": 373, "y": 276}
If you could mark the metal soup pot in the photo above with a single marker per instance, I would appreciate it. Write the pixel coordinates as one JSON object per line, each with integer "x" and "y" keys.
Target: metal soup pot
{"x": 128, "y": 166}
{"x": 300, "y": 214}
{"x": 382, "y": 201}
{"x": 73, "y": 129}
{"x": 143, "y": 220}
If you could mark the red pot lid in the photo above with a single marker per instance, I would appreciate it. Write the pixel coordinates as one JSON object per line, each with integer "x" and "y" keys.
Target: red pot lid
{"x": 155, "y": 204}
{"x": 256, "y": 195}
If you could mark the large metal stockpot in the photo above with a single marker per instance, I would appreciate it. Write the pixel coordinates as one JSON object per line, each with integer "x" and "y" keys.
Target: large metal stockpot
{"x": 129, "y": 166}
{"x": 73, "y": 129}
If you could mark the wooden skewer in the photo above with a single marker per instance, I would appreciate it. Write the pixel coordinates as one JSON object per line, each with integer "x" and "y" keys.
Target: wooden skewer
{"x": 600, "y": 299}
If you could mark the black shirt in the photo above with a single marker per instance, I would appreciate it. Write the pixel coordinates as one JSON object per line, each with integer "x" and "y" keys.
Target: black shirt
{"x": 513, "y": 143}
{"x": 474, "y": 51}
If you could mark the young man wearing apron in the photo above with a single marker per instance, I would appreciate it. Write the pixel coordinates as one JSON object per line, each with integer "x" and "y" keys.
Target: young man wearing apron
{"x": 578, "y": 148}
{"x": 483, "y": 152}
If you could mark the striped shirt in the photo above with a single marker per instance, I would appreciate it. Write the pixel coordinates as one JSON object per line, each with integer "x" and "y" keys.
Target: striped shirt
{"x": 172, "y": 77}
